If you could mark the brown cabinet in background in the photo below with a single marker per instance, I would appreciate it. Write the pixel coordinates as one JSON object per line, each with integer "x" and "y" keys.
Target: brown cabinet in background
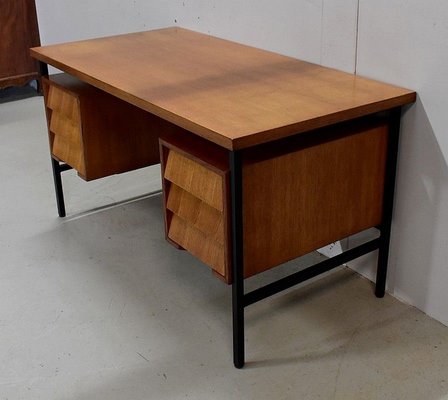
{"x": 18, "y": 32}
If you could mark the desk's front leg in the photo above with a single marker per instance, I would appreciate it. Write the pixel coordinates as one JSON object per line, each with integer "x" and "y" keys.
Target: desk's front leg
{"x": 388, "y": 201}
{"x": 236, "y": 187}
{"x": 56, "y": 166}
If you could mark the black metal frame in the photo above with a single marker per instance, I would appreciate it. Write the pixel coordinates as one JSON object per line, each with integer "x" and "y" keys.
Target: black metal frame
{"x": 240, "y": 300}
{"x": 56, "y": 165}
{"x": 58, "y": 168}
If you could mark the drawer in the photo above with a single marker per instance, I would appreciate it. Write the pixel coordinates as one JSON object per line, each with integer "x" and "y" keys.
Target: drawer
{"x": 198, "y": 243}
{"x": 197, "y": 213}
{"x": 63, "y": 102}
{"x": 66, "y": 127}
{"x": 195, "y": 178}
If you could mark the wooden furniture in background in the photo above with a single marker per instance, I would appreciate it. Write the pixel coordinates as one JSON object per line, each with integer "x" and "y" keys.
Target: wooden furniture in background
{"x": 18, "y": 32}
{"x": 270, "y": 158}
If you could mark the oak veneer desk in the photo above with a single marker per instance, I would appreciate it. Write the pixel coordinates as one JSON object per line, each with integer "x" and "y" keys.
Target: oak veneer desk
{"x": 303, "y": 155}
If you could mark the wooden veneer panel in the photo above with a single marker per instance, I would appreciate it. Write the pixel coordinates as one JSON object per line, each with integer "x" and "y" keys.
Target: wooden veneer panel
{"x": 197, "y": 213}
{"x": 308, "y": 197}
{"x": 196, "y": 205}
{"x": 198, "y": 243}
{"x": 298, "y": 194}
{"x": 96, "y": 133}
{"x": 195, "y": 179}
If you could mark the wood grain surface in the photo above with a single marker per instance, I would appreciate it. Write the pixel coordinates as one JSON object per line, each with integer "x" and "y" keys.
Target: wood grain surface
{"x": 233, "y": 95}
{"x": 197, "y": 213}
{"x": 306, "y": 197}
{"x": 198, "y": 244}
{"x": 96, "y": 133}
{"x": 195, "y": 180}
{"x": 18, "y": 32}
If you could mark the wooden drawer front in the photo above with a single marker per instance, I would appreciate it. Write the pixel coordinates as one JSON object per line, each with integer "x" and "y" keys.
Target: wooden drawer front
{"x": 67, "y": 143}
{"x": 62, "y": 126}
{"x": 197, "y": 213}
{"x": 63, "y": 102}
{"x": 65, "y": 127}
{"x": 197, "y": 243}
{"x": 195, "y": 179}
{"x": 195, "y": 196}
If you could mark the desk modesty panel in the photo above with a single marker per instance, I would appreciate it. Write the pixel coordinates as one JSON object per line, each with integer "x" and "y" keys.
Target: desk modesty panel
{"x": 231, "y": 94}
{"x": 264, "y": 157}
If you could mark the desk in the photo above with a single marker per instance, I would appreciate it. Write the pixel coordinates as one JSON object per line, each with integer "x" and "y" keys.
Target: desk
{"x": 285, "y": 128}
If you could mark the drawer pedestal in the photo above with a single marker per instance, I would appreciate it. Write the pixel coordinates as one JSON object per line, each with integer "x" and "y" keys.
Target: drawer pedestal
{"x": 298, "y": 195}
{"x": 96, "y": 133}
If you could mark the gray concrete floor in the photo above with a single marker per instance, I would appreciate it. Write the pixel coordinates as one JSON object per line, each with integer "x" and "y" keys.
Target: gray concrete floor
{"x": 99, "y": 306}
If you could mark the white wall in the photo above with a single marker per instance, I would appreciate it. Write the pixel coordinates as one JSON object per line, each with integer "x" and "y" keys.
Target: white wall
{"x": 400, "y": 41}
{"x": 305, "y": 29}
{"x": 406, "y": 42}
{"x": 68, "y": 20}
{"x": 314, "y": 30}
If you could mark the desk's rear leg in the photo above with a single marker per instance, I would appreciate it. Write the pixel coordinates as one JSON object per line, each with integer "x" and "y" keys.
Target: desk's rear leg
{"x": 389, "y": 188}
{"x": 57, "y": 169}
{"x": 236, "y": 188}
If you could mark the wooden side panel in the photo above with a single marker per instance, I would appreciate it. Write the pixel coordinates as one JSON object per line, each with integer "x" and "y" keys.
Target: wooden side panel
{"x": 195, "y": 179}
{"x": 300, "y": 201}
{"x": 118, "y": 137}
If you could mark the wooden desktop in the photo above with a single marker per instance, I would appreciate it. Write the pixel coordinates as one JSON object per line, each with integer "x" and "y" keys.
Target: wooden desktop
{"x": 264, "y": 157}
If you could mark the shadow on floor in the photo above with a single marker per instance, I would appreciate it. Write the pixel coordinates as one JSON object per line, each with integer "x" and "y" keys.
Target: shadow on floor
{"x": 15, "y": 93}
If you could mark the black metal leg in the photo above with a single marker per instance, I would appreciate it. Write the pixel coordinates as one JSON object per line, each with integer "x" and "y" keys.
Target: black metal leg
{"x": 389, "y": 188}
{"x": 42, "y": 68}
{"x": 240, "y": 300}
{"x": 43, "y": 71}
{"x": 237, "y": 258}
{"x": 56, "y": 166}
{"x": 57, "y": 169}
